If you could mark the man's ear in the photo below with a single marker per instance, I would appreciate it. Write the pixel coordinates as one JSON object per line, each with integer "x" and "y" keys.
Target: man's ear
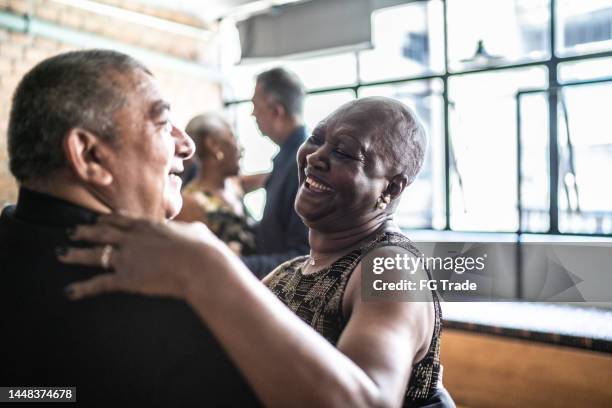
{"x": 396, "y": 186}
{"x": 87, "y": 156}
{"x": 279, "y": 110}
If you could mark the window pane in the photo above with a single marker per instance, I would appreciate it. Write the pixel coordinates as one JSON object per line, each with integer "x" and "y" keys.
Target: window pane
{"x": 535, "y": 166}
{"x": 240, "y": 80}
{"x": 483, "y": 147}
{"x": 408, "y": 40}
{"x": 584, "y": 26}
{"x": 422, "y": 205}
{"x": 325, "y": 72}
{"x": 318, "y": 106}
{"x": 596, "y": 68}
{"x": 585, "y": 154}
{"x": 510, "y": 31}
{"x": 258, "y": 151}
{"x": 315, "y": 73}
{"x": 585, "y": 159}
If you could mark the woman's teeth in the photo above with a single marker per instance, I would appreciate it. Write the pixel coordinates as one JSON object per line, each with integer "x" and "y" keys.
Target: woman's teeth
{"x": 316, "y": 186}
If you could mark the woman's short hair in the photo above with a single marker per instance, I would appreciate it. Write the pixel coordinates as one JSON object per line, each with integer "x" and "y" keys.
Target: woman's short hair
{"x": 202, "y": 127}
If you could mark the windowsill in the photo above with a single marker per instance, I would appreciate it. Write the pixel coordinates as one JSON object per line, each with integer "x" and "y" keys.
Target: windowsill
{"x": 566, "y": 325}
{"x": 430, "y": 235}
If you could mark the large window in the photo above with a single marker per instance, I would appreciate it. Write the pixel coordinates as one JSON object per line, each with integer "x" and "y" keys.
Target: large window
{"x": 500, "y": 32}
{"x": 585, "y": 158}
{"x": 482, "y": 126}
{"x": 583, "y": 26}
{"x": 407, "y": 40}
{"x": 485, "y": 77}
{"x": 534, "y": 162}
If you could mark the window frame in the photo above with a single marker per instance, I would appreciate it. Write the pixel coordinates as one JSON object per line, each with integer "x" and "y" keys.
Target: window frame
{"x": 551, "y": 63}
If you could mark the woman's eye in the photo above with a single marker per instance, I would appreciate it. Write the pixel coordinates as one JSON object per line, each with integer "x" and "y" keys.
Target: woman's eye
{"x": 343, "y": 154}
{"x": 314, "y": 140}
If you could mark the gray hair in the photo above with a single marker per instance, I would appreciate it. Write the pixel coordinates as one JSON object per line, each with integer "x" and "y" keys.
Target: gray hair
{"x": 74, "y": 89}
{"x": 284, "y": 88}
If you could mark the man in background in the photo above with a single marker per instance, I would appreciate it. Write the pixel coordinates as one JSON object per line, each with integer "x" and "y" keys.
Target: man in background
{"x": 278, "y": 104}
{"x": 90, "y": 134}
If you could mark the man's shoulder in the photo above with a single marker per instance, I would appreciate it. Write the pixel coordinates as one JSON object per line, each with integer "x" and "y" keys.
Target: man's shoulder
{"x": 22, "y": 242}
{"x": 113, "y": 340}
{"x": 6, "y": 214}
{"x": 14, "y": 227}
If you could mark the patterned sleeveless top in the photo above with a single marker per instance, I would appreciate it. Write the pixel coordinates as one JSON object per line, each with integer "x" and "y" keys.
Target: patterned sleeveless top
{"x": 223, "y": 220}
{"x": 317, "y": 299}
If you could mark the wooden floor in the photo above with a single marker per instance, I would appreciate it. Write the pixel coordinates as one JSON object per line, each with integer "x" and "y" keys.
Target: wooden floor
{"x": 484, "y": 371}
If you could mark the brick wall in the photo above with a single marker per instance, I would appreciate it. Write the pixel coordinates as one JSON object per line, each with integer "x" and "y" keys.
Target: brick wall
{"x": 189, "y": 93}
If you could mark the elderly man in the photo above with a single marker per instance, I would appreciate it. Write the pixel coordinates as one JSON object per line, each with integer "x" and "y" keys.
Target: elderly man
{"x": 90, "y": 134}
{"x": 278, "y": 103}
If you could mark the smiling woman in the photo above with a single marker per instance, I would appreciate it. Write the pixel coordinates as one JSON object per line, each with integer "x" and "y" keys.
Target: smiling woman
{"x": 352, "y": 173}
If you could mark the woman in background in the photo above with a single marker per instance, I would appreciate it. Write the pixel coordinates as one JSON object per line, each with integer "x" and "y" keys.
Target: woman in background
{"x": 215, "y": 196}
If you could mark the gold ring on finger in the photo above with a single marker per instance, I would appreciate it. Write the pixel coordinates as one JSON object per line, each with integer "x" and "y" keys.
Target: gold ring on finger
{"x": 107, "y": 251}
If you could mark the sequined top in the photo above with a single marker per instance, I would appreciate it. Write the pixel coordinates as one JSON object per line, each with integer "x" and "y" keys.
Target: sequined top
{"x": 223, "y": 221}
{"x": 317, "y": 299}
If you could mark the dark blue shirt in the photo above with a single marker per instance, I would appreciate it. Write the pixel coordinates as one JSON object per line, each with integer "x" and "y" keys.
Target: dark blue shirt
{"x": 281, "y": 235}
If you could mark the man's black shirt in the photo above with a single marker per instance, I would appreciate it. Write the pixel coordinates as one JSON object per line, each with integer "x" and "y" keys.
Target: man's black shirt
{"x": 116, "y": 349}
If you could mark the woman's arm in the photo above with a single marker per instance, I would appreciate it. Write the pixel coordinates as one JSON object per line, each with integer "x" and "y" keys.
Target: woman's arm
{"x": 252, "y": 182}
{"x": 286, "y": 362}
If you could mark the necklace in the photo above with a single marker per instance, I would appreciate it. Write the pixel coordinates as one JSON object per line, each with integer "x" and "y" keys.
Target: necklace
{"x": 312, "y": 260}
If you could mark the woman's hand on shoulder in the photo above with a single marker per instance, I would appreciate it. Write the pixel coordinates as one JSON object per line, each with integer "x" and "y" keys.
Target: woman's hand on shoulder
{"x": 146, "y": 257}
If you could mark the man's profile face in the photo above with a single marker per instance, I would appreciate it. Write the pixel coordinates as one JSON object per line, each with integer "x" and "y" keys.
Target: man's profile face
{"x": 150, "y": 152}
{"x": 263, "y": 110}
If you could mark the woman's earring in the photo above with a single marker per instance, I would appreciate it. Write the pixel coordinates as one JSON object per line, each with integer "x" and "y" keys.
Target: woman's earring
{"x": 219, "y": 155}
{"x": 382, "y": 202}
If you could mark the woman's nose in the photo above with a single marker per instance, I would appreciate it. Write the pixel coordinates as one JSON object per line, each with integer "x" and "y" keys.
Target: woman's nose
{"x": 318, "y": 159}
